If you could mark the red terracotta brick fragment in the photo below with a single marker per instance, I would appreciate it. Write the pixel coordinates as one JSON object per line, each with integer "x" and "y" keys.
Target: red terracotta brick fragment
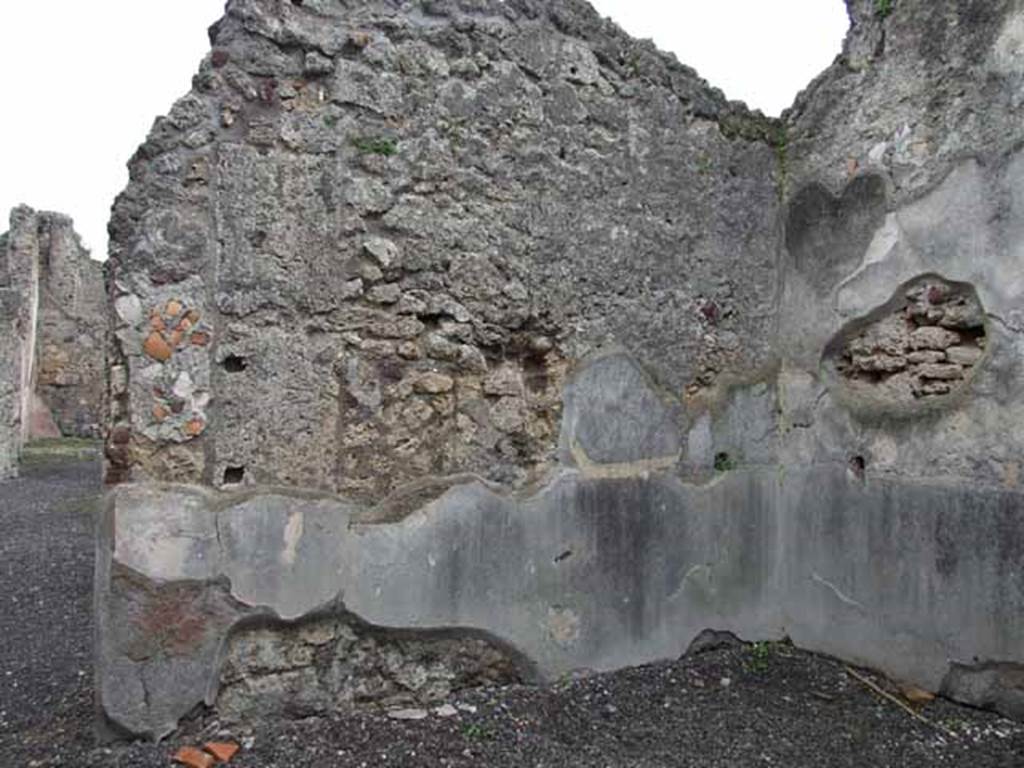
{"x": 195, "y": 427}
{"x": 193, "y": 758}
{"x": 157, "y": 347}
{"x": 222, "y": 750}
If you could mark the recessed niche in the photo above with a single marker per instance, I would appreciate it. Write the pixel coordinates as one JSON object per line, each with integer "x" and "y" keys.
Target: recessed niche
{"x": 918, "y": 351}
{"x": 234, "y": 475}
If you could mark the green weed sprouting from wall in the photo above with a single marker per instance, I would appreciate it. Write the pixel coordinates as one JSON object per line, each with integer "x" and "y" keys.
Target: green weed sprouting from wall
{"x": 376, "y": 145}
{"x": 883, "y": 8}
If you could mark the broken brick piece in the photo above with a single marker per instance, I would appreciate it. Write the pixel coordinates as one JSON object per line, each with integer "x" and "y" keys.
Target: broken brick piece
{"x": 222, "y": 750}
{"x": 157, "y": 347}
{"x": 195, "y": 427}
{"x": 916, "y": 695}
{"x": 193, "y": 758}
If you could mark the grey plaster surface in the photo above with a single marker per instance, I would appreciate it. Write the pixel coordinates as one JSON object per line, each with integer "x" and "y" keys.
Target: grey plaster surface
{"x": 604, "y": 573}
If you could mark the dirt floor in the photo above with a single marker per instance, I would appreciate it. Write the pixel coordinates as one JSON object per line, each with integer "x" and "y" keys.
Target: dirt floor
{"x": 734, "y": 705}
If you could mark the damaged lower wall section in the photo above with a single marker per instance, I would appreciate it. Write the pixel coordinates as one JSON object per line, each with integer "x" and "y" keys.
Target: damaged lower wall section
{"x": 332, "y": 662}
{"x": 923, "y": 582}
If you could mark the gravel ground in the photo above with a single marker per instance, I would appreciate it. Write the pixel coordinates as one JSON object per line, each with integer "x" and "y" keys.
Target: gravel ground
{"x": 767, "y": 704}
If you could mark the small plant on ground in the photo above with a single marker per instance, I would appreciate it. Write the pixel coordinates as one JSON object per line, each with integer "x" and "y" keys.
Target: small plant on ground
{"x": 759, "y": 655}
{"x": 376, "y": 145}
{"x": 883, "y": 8}
{"x": 474, "y": 732}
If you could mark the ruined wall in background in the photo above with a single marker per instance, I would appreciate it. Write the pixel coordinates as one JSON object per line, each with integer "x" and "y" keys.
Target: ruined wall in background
{"x": 10, "y": 371}
{"x": 52, "y": 301}
{"x": 19, "y": 287}
{"x": 66, "y": 369}
{"x": 482, "y": 317}
{"x": 70, "y": 371}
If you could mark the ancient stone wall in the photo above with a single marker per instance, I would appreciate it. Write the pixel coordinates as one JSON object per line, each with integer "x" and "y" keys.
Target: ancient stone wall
{"x": 52, "y": 300}
{"x": 10, "y": 371}
{"x": 64, "y": 289}
{"x": 19, "y": 288}
{"x": 72, "y": 323}
{"x": 481, "y": 317}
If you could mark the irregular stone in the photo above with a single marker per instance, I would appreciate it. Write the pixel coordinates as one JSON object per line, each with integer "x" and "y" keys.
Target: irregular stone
{"x": 963, "y": 317}
{"x": 129, "y": 309}
{"x": 384, "y": 251}
{"x": 993, "y": 685}
{"x": 930, "y": 388}
{"x": 389, "y": 293}
{"x": 504, "y": 381}
{"x": 966, "y": 356}
{"x": 433, "y": 384}
{"x": 940, "y": 372}
{"x": 933, "y": 338}
{"x": 928, "y": 356}
{"x": 408, "y": 714}
{"x": 351, "y": 289}
{"x": 316, "y": 64}
{"x": 879, "y": 363}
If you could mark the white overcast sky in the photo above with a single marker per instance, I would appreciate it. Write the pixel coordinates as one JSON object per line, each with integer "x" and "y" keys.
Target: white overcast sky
{"x": 82, "y": 81}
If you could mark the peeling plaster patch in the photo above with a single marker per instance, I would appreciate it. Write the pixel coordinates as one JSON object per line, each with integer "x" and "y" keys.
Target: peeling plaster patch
{"x": 621, "y": 471}
{"x": 614, "y": 416}
{"x": 922, "y": 346}
{"x": 328, "y": 665}
{"x": 292, "y": 537}
{"x": 858, "y": 292}
{"x": 270, "y": 562}
{"x": 1008, "y": 53}
{"x": 166, "y": 537}
{"x": 700, "y": 450}
{"x": 563, "y": 626}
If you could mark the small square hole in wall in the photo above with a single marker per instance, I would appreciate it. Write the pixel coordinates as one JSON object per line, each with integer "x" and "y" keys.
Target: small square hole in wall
{"x": 858, "y": 467}
{"x": 235, "y": 364}
{"x": 234, "y": 475}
